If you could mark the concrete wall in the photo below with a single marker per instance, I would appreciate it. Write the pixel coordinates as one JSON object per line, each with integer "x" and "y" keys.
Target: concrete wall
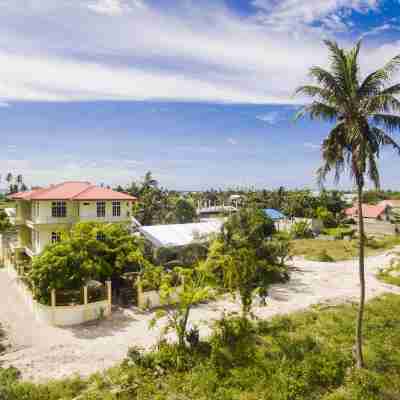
{"x": 62, "y": 315}
{"x": 151, "y": 298}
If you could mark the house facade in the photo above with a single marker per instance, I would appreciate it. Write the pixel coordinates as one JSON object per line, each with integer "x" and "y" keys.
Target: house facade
{"x": 42, "y": 215}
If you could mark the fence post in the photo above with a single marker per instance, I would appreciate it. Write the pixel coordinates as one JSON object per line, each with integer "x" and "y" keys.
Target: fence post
{"x": 53, "y": 306}
{"x": 109, "y": 295}
{"x": 85, "y": 295}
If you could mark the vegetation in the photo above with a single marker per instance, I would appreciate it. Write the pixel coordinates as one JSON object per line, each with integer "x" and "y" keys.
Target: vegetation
{"x": 179, "y": 300}
{"x": 15, "y": 183}
{"x": 306, "y": 356}
{"x": 391, "y": 274}
{"x": 301, "y": 230}
{"x": 91, "y": 251}
{"x": 245, "y": 259}
{"x": 340, "y": 250}
{"x": 365, "y": 114}
{"x": 157, "y": 205}
{"x": 5, "y": 224}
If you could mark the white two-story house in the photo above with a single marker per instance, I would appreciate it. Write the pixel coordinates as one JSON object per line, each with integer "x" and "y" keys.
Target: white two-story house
{"x": 41, "y": 215}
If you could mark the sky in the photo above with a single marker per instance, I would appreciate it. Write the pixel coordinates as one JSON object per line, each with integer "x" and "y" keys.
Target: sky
{"x": 198, "y": 92}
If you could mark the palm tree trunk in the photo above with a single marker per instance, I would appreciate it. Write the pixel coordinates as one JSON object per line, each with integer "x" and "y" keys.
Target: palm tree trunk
{"x": 359, "y": 336}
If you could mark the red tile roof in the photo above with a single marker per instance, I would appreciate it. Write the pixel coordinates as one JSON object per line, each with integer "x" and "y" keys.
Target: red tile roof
{"x": 72, "y": 191}
{"x": 369, "y": 211}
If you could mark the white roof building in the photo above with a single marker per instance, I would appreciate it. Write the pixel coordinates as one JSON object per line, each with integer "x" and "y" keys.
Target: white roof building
{"x": 179, "y": 235}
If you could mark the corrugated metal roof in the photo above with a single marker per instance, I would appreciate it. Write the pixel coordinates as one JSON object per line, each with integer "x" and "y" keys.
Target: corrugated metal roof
{"x": 179, "y": 234}
{"x": 274, "y": 214}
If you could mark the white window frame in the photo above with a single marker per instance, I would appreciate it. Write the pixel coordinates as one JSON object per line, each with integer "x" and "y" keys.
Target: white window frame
{"x": 55, "y": 237}
{"x": 100, "y": 209}
{"x": 116, "y": 208}
{"x": 59, "y": 209}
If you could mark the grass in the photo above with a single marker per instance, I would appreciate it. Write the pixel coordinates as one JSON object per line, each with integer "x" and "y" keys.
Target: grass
{"x": 6, "y": 204}
{"x": 339, "y": 250}
{"x": 305, "y": 356}
{"x": 391, "y": 274}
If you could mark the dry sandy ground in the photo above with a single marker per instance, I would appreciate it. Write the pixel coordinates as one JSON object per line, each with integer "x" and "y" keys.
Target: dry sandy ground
{"x": 42, "y": 352}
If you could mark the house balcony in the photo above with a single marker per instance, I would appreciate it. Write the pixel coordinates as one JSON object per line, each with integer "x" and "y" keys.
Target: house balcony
{"x": 105, "y": 219}
{"x": 30, "y": 251}
{"x": 47, "y": 220}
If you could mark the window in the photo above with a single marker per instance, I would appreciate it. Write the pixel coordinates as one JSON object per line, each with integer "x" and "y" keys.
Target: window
{"x": 101, "y": 209}
{"x": 100, "y": 236}
{"x": 55, "y": 237}
{"x": 58, "y": 209}
{"x": 116, "y": 208}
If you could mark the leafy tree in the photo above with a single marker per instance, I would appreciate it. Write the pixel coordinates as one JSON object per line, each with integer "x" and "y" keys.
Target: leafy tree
{"x": 180, "y": 302}
{"x": 184, "y": 211}
{"x": 365, "y": 114}
{"x": 5, "y": 223}
{"x": 90, "y": 251}
{"x": 326, "y": 216}
{"x": 243, "y": 259}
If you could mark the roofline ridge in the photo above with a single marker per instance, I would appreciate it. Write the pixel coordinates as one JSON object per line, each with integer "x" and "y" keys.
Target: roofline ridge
{"x": 90, "y": 186}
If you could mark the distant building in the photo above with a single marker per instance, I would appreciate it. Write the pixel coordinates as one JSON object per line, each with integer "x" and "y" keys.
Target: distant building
{"x": 275, "y": 215}
{"x": 179, "y": 235}
{"x": 42, "y": 214}
{"x": 380, "y": 212}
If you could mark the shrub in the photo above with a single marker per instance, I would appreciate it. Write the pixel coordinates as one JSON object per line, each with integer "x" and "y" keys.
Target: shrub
{"x": 301, "y": 230}
{"x": 323, "y": 256}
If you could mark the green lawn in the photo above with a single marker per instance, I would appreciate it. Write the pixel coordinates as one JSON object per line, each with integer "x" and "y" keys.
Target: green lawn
{"x": 338, "y": 250}
{"x": 391, "y": 274}
{"x": 304, "y": 356}
{"x": 6, "y": 204}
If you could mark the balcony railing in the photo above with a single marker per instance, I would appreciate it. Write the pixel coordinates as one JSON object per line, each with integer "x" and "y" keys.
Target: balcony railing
{"x": 75, "y": 219}
{"x": 51, "y": 220}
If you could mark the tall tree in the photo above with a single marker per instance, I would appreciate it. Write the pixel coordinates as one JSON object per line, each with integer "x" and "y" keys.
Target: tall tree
{"x": 364, "y": 114}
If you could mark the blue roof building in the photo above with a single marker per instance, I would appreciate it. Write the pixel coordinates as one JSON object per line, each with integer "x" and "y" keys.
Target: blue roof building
{"x": 275, "y": 215}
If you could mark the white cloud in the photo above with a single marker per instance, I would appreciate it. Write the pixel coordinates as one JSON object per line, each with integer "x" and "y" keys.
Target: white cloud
{"x": 271, "y": 117}
{"x": 380, "y": 29}
{"x": 288, "y": 14}
{"x": 126, "y": 49}
{"x": 232, "y": 141}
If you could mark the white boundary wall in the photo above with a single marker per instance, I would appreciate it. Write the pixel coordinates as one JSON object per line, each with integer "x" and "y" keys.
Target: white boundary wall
{"x": 151, "y": 298}
{"x": 62, "y": 315}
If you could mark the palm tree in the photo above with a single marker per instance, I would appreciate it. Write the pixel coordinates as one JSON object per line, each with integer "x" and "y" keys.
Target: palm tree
{"x": 364, "y": 114}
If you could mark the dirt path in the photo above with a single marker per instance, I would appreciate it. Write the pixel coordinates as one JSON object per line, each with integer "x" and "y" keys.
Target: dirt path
{"x": 42, "y": 352}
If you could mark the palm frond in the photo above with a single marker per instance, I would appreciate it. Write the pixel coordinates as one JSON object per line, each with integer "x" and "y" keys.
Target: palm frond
{"x": 390, "y": 121}
{"x": 318, "y": 110}
{"x": 315, "y": 91}
{"x": 385, "y": 139}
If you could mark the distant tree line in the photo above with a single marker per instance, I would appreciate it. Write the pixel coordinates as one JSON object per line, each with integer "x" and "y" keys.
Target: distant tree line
{"x": 15, "y": 183}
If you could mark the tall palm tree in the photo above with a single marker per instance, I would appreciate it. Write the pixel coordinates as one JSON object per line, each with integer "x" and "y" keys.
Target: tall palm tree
{"x": 364, "y": 114}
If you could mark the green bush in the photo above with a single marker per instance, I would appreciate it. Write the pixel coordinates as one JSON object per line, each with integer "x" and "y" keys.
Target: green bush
{"x": 304, "y": 356}
{"x": 301, "y": 230}
{"x": 323, "y": 256}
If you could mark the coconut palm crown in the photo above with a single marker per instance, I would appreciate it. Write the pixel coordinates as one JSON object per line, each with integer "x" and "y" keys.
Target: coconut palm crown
{"x": 364, "y": 113}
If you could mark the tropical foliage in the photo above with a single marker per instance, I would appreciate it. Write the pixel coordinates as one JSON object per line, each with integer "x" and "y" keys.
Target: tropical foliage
{"x": 179, "y": 300}
{"x": 245, "y": 259}
{"x": 305, "y": 356}
{"x": 90, "y": 251}
{"x": 364, "y": 113}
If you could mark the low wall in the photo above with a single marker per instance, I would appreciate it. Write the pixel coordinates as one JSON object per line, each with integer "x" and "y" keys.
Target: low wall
{"x": 62, "y": 315}
{"x": 151, "y": 298}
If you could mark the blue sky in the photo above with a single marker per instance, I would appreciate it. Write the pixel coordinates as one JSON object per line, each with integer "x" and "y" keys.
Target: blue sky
{"x": 199, "y": 92}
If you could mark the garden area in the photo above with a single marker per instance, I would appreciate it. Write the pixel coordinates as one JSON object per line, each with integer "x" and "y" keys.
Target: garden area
{"x": 340, "y": 250}
{"x": 307, "y": 356}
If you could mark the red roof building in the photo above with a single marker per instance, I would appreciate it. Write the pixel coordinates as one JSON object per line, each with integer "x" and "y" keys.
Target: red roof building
{"x": 369, "y": 211}
{"x": 72, "y": 191}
